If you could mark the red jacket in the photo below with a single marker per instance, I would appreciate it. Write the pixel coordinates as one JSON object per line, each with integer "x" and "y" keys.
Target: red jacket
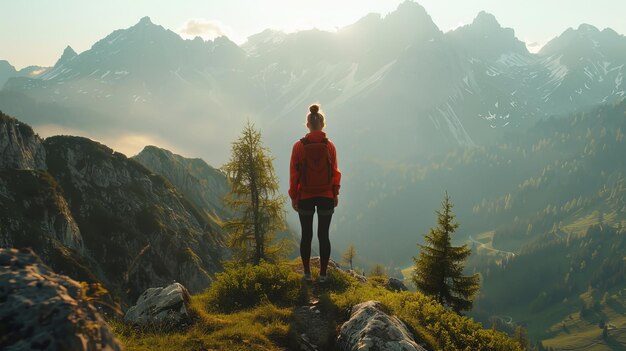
{"x": 297, "y": 154}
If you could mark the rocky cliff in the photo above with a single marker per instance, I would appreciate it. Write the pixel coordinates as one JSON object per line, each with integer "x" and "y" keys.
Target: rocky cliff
{"x": 95, "y": 214}
{"x": 202, "y": 184}
{"x": 20, "y": 147}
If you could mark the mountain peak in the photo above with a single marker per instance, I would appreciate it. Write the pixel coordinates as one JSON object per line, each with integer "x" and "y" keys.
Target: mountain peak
{"x": 68, "y": 55}
{"x": 69, "y": 51}
{"x": 411, "y": 10}
{"x": 412, "y": 19}
{"x": 584, "y": 27}
{"x": 486, "y": 20}
{"x": 410, "y": 5}
{"x": 485, "y": 37}
{"x": 145, "y": 20}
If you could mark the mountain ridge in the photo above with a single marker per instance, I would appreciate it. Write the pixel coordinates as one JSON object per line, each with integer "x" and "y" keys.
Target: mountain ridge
{"x": 98, "y": 216}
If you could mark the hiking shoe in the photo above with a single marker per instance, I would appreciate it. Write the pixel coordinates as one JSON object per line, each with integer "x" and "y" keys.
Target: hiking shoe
{"x": 323, "y": 278}
{"x": 307, "y": 277}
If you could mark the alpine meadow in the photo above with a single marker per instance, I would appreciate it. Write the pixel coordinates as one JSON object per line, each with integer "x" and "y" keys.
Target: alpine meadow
{"x": 275, "y": 175}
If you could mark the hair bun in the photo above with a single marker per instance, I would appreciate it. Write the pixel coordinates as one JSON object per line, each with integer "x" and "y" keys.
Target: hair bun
{"x": 314, "y": 108}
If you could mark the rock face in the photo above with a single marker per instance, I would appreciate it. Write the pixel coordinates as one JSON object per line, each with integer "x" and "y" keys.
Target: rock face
{"x": 202, "y": 184}
{"x": 165, "y": 306}
{"x": 371, "y": 328}
{"x": 395, "y": 284}
{"x": 42, "y": 310}
{"x": 20, "y": 148}
{"x": 97, "y": 216}
{"x": 34, "y": 213}
{"x": 133, "y": 220}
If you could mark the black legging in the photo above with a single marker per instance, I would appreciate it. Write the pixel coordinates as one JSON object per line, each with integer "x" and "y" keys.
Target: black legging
{"x": 306, "y": 209}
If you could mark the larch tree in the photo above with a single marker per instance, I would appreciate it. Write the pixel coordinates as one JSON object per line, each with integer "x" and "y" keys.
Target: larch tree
{"x": 349, "y": 255}
{"x": 254, "y": 199}
{"x": 439, "y": 268}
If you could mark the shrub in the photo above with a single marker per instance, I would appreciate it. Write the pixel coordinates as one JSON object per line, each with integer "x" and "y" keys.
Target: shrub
{"x": 245, "y": 286}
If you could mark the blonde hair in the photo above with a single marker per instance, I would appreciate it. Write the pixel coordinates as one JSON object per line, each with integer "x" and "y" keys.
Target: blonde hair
{"x": 315, "y": 119}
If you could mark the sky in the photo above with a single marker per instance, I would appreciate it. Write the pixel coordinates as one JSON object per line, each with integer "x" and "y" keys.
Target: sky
{"x": 35, "y": 32}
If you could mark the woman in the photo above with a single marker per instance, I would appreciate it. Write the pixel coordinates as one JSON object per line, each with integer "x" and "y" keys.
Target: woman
{"x": 314, "y": 183}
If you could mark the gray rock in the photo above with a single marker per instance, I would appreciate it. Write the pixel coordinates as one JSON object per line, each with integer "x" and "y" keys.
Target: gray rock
{"x": 371, "y": 328}
{"x": 20, "y": 147}
{"x": 357, "y": 276}
{"x": 164, "y": 306}
{"x": 202, "y": 184}
{"x": 395, "y": 284}
{"x": 315, "y": 262}
{"x": 42, "y": 310}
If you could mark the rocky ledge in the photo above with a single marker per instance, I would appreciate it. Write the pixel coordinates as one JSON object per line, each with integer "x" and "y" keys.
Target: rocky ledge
{"x": 371, "y": 328}
{"x": 42, "y": 310}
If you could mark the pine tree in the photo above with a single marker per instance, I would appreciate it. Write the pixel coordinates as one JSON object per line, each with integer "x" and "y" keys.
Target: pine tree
{"x": 349, "y": 255}
{"x": 439, "y": 269}
{"x": 253, "y": 197}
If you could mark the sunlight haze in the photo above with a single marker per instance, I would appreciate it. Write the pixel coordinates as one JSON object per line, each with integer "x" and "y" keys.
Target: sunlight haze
{"x": 53, "y": 25}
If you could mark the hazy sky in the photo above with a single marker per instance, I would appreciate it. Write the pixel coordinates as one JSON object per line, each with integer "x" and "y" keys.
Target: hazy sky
{"x": 37, "y": 31}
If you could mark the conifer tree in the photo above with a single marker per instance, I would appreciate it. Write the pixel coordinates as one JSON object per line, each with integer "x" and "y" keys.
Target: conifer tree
{"x": 253, "y": 198}
{"x": 439, "y": 268}
{"x": 349, "y": 255}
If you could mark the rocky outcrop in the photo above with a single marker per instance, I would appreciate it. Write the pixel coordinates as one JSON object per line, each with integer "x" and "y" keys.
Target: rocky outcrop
{"x": 332, "y": 265}
{"x": 395, "y": 284}
{"x": 370, "y": 327}
{"x": 202, "y": 184}
{"x": 164, "y": 306}
{"x": 357, "y": 276}
{"x": 41, "y": 310}
{"x": 97, "y": 216}
{"x": 132, "y": 220}
{"x": 36, "y": 213}
{"x": 20, "y": 147}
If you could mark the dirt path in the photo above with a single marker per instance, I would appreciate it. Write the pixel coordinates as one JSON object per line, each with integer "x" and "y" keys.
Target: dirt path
{"x": 314, "y": 320}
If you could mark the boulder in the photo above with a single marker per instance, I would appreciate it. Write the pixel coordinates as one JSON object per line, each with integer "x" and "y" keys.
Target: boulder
{"x": 395, "y": 284}
{"x": 164, "y": 306}
{"x": 315, "y": 262}
{"x": 357, "y": 276}
{"x": 42, "y": 310}
{"x": 370, "y": 327}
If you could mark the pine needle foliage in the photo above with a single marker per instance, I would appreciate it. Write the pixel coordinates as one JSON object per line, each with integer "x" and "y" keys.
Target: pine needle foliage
{"x": 254, "y": 199}
{"x": 439, "y": 268}
{"x": 349, "y": 255}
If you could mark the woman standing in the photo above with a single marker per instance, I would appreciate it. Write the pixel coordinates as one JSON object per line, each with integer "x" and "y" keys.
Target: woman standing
{"x": 314, "y": 183}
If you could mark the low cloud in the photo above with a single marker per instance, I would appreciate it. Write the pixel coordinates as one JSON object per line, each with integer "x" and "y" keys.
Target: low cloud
{"x": 129, "y": 144}
{"x": 203, "y": 28}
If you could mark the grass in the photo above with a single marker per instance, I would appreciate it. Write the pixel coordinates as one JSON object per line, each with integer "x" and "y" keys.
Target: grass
{"x": 580, "y": 224}
{"x": 577, "y": 333}
{"x": 274, "y": 325}
{"x": 265, "y": 327}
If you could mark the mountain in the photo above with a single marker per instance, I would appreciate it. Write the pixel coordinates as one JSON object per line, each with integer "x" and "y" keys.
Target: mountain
{"x": 8, "y": 71}
{"x": 94, "y": 214}
{"x": 202, "y": 184}
{"x": 586, "y": 67}
{"x": 393, "y": 106}
{"x": 68, "y": 55}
